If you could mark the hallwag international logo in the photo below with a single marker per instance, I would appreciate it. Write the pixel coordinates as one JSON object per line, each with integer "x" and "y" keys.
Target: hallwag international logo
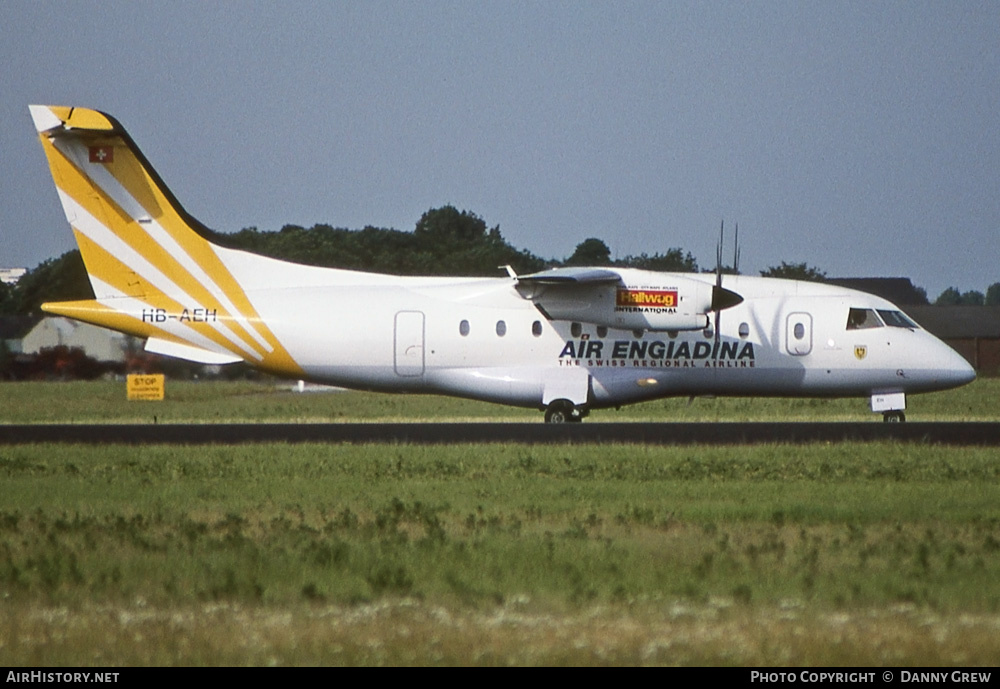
{"x": 860, "y": 351}
{"x": 656, "y": 299}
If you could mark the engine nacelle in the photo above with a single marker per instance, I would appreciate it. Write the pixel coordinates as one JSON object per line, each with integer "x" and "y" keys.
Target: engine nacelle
{"x": 675, "y": 303}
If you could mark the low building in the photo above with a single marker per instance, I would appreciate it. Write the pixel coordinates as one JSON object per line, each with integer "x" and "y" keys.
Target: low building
{"x": 900, "y": 291}
{"x": 972, "y": 331}
{"x": 10, "y": 276}
{"x": 13, "y": 329}
{"x": 97, "y": 343}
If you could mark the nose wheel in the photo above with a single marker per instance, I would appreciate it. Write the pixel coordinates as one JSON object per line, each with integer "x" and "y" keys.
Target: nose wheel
{"x": 891, "y": 404}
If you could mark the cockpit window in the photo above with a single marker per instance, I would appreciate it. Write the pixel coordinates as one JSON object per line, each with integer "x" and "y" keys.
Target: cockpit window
{"x": 897, "y": 319}
{"x": 860, "y": 319}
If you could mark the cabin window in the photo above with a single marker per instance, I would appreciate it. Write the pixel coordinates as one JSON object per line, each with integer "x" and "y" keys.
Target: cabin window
{"x": 799, "y": 331}
{"x": 637, "y": 334}
{"x": 463, "y": 328}
{"x": 536, "y": 328}
{"x": 672, "y": 334}
{"x": 708, "y": 333}
{"x": 602, "y": 331}
{"x": 744, "y": 330}
{"x": 897, "y": 319}
{"x": 576, "y": 329}
{"x": 862, "y": 319}
{"x": 501, "y": 328}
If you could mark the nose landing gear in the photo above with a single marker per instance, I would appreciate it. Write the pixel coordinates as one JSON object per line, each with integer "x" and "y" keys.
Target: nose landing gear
{"x": 891, "y": 405}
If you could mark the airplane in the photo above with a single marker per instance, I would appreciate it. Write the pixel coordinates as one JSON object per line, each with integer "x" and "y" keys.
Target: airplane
{"x": 565, "y": 341}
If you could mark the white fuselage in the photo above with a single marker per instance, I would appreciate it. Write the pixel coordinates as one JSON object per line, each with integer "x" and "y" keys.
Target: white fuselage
{"x": 479, "y": 338}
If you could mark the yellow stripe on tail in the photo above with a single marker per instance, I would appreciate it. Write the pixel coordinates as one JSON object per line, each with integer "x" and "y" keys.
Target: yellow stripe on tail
{"x": 153, "y": 272}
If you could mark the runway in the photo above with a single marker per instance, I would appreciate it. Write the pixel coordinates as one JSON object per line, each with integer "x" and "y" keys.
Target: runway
{"x": 982, "y": 434}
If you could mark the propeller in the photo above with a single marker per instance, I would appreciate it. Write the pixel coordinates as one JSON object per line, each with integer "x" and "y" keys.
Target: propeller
{"x": 736, "y": 251}
{"x": 717, "y": 291}
{"x": 723, "y": 298}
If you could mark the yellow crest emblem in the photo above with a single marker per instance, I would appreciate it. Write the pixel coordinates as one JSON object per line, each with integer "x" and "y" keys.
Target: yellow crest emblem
{"x": 860, "y": 351}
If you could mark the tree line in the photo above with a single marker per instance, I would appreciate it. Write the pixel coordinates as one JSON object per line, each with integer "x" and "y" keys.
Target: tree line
{"x": 445, "y": 242}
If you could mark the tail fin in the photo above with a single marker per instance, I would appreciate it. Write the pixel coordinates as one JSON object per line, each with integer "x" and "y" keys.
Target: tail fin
{"x": 153, "y": 272}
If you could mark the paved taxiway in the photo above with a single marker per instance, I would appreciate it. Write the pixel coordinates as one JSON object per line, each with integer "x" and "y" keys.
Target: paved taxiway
{"x": 532, "y": 433}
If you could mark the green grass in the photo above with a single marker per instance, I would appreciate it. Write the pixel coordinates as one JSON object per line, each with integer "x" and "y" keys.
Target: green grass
{"x": 822, "y": 554}
{"x": 271, "y": 402}
{"x": 615, "y": 554}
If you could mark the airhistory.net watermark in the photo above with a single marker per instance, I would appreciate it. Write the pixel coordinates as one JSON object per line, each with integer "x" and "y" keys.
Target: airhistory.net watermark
{"x": 61, "y": 677}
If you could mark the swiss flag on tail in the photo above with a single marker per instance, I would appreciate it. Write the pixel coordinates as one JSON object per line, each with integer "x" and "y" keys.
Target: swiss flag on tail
{"x": 102, "y": 154}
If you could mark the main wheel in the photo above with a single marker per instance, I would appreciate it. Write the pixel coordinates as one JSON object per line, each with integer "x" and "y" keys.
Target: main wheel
{"x": 895, "y": 416}
{"x": 561, "y": 411}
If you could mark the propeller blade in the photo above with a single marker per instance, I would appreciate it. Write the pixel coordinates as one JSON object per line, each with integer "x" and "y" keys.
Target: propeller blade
{"x": 736, "y": 251}
{"x": 718, "y": 254}
{"x": 718, "y": 289}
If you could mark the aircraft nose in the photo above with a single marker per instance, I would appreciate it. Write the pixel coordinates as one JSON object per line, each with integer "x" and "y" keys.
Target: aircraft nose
{"x": 964, "y": 373}
{"x": 958, "y": 371}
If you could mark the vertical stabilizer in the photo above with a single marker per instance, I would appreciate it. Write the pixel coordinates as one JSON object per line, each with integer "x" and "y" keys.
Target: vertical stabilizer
{"x": 153, "y": 272}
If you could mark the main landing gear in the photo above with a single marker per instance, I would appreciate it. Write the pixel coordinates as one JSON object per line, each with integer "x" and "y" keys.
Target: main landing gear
{"x": 564, "y": 411}
{"x": 894, "y": 416}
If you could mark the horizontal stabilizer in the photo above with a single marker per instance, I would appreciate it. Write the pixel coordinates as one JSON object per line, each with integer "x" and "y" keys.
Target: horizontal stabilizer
{"x": 188, "y": 352}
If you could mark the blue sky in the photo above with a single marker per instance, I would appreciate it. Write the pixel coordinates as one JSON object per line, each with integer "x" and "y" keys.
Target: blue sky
{"x": 861, "y": 138}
